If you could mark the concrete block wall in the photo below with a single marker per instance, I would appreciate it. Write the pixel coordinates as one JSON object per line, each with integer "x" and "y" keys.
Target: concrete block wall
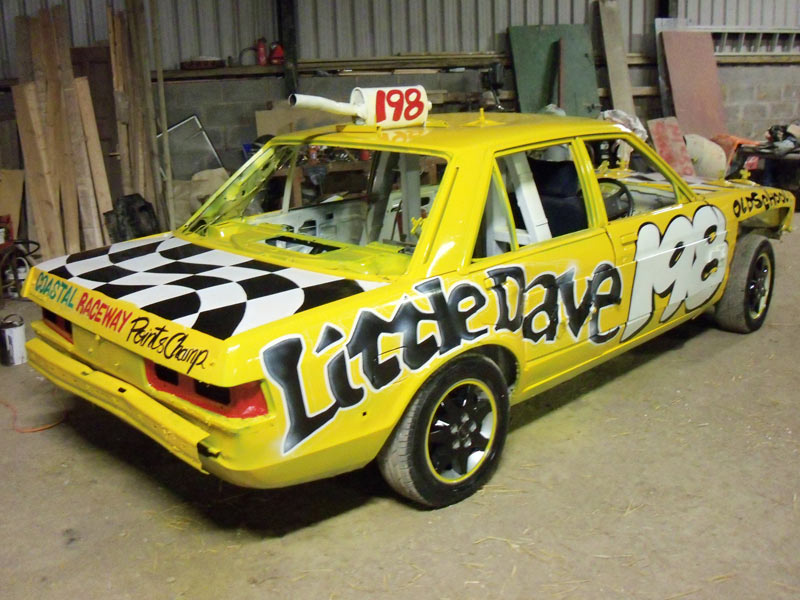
{"x": 226, "y": 107}
{"x": 759, "y": 96}
{"x": 755, "y": 97}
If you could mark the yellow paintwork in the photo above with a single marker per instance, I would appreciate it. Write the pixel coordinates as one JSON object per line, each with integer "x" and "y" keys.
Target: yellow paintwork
{"x": 252, "y": 452}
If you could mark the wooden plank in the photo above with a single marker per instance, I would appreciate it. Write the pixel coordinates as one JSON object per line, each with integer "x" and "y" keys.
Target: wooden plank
{"x": 135, "y": 124}
{"x": 23, "y": 47}
{"x": 96, "y": 163}
{"x": 11, "y": 195}
{"x": 163, "y": 120}
{"x": 153, "y": 167}
{"x": 616, "y": 61}
{"x": 669, "y": 143}
{"x": 37, "y": 171}
{"x": 89, "y": 219}
{"x": 694, "y": 81}
{"x": 58, "y": 140}
{"x": 115, "y": 32}
{"x": 69, "y": 194}
{"x": 37, "y": 60}
{"x": 535, "y": 54}
{"x": 94, "y": 62}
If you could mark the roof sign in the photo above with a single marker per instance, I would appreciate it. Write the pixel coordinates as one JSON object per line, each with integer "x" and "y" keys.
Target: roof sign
{"x": 402, "y": 106}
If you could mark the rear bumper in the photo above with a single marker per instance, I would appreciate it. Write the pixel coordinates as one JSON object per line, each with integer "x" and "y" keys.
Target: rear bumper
{"x": 245, "y": 452}
{"x": 130, "y": 404}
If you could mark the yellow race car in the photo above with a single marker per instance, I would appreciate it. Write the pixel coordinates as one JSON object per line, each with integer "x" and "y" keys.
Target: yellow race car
{"x": 387, "y": 289}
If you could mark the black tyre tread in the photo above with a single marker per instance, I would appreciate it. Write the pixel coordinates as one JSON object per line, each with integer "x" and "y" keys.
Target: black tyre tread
{"x": 730, "y": 312}
{"x": 395, "y": 460}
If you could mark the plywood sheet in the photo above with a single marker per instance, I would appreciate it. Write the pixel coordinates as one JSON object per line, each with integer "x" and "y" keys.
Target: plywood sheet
{"x": 286, "y": 119}
{"x": 38, "y": 171}
{"x": 95, "y": 152}
{"x": 670, "y": 145}
{"x": 535, "y": 52}
{"x": 694, "y": 82}
{"x": 616, "y": 58}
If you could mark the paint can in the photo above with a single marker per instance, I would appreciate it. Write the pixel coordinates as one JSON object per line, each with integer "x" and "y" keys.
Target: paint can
{"x": 12, "y": 341}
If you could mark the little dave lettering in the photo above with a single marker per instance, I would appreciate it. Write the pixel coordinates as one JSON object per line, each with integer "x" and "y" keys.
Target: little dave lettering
{"x": 171, "y": 346}
{"x": 451, "y": 313}
{"x": 559, "y": 293}
{"x": 281, "y": 359}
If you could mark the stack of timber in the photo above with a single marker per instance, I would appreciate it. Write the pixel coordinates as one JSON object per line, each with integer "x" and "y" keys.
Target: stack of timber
{"x": 66, "y": 185}
{"x": 134, "y": 106}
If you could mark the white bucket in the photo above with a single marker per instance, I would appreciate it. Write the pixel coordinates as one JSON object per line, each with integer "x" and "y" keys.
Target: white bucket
{"x": 12, "y": 341}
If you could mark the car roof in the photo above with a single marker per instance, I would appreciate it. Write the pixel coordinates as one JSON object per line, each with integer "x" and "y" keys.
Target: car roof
{"x": 451, "y": 132}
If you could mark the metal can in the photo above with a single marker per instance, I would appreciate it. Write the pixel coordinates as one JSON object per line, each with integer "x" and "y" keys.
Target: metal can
{"x": 12, "y": 341}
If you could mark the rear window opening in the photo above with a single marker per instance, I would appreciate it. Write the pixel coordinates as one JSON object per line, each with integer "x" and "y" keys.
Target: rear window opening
{"x": 239, "y": 402}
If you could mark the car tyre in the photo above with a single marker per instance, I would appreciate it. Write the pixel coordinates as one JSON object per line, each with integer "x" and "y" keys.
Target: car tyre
{"x": 450, "y": 438}
{"x": 744, "y": 304}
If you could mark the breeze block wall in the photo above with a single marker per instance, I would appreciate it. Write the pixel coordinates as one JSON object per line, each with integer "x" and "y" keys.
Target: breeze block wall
{"x": 759, "y": 96}
{"x": 226, "y": 107}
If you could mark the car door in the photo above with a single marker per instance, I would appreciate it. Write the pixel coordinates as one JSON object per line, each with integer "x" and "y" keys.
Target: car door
{"x": 548, "y": 261}
{"x": 669, "y": 245}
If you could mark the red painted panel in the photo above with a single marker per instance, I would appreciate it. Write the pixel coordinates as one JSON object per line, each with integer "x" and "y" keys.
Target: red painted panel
{"x": 670, "y": 145}
{"x": 694, "y": 81}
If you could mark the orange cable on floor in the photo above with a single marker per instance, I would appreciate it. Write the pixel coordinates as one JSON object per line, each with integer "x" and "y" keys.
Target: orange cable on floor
{"x": 29, "y": 429}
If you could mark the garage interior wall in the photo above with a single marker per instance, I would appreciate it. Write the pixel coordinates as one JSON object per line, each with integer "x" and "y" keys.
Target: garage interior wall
{"x": 332, "y": 29}
{"x": 756, "y": 96}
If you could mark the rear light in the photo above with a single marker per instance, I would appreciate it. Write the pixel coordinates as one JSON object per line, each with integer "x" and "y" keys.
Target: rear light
{"x": 238, "y": 402}
{"x": 58, "y": 324}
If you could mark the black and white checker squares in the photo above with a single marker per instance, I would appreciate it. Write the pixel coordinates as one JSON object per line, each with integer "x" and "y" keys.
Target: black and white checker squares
{"x": 213, "y": 291}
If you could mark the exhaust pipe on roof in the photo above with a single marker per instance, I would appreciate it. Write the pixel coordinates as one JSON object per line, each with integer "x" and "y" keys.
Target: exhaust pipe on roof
{"x": 385, "y": 107}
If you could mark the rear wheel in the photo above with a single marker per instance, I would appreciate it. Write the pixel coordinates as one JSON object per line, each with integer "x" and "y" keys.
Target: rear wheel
{"x": 449, "y": 440}
{"x": 743, "y": 307}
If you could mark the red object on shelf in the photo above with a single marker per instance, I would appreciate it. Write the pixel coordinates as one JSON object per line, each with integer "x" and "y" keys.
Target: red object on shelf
{"x": 8, "y": 234}
{"x": 276, "y": 55}
{"x": 261, "y": 51}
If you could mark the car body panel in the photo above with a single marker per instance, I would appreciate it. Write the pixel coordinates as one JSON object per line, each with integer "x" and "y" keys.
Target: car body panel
{"x": 339, "y": 364}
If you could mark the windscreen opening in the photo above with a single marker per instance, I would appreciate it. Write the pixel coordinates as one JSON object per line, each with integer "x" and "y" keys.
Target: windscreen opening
{"x": 324, "y": 197}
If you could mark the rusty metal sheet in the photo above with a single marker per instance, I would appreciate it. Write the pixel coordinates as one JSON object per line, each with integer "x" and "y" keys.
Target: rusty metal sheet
{"x": 670, "y": 145}
{"x": 694, "y": 80}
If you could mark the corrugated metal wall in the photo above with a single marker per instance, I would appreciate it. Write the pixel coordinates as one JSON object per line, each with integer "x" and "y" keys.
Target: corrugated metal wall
{"x": 777, "y": 14}
{"x": 367, "y": 28}
{"x": 188, "y": 27}
{"x": 362, "y": 28}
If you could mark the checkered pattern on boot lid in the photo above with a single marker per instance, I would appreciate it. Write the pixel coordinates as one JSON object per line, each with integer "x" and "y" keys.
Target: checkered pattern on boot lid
{"x": 219, "y": 293}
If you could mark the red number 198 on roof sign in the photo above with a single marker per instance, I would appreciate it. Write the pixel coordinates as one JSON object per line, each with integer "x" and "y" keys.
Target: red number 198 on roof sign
{"x": 392, "y": 107}
{"x": 406, "y": 104}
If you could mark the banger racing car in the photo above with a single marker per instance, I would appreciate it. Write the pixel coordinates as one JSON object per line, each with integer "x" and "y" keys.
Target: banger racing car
{"x": 386, "y": 289}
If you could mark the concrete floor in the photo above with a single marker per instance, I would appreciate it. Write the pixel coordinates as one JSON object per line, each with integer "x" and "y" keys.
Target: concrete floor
{"x": 670, "y": 472}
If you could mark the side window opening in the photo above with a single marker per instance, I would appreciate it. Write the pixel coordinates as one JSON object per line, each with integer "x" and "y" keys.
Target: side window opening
{"x": 630, "y": 183}
{"x": 560, "y": 190}
{"x": 531, "y": 221}
{"x": 545, "y": 193}
{"x": 495, "y": 235}
{"x": 536, "y": 195}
